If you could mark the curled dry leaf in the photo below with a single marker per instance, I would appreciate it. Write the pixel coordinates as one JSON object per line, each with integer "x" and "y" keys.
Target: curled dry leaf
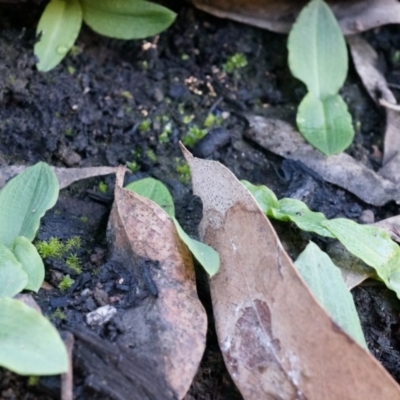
{"x": 366, "y": 63}
{"x": 278, "y": 15}
{"x": 343, "y": 170}
{"x": 65, "y": 176}
{"x": 276, "y": 340}
{"x": 169, "y": 327}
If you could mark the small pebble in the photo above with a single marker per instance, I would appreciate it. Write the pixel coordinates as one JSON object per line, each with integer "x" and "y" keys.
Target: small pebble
{"x": 100, "y": 316}
{"x": 214, "y": 140}
{"x": 367, "y": 217}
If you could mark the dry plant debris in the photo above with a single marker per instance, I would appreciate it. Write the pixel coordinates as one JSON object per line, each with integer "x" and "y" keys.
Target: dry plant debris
{"x": 278, "y": 15}
{"x": 169, "y": 327}
{"x": 276, "y": 340}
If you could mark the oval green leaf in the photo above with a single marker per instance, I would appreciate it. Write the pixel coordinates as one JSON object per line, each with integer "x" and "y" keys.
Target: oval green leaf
{"x": 326, "y": 124}
{"x": 121, "y": 19}
{"x": 204, "y": 254}
{"x": 325, "y": 281}
{"x": 24, "y": 200}
{"x": 58, "y": 28}
{"x": 369, "y": 243}
{"x": 264, "y": 196}
{"x": 156, "y": 191}
{"x": 13, "y": 278}
{"x": 317, "y": 50}
{"x": 26, "y": 253}
{"x": 29, "y": 345}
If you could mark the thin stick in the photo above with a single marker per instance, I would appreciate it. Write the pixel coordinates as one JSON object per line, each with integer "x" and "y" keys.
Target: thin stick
{"x": 67, "y": 382}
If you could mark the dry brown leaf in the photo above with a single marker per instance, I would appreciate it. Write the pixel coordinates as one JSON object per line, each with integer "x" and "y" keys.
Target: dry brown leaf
{"x": 343, "y": 170}
{"x": 391, "y": 226}
{"x": 366, "y": 63}
{"x": 168, "y": 330}
{"x": 278, "y": 15}
{"x": 277, "y": 342}
{"x": 65, "y": 176}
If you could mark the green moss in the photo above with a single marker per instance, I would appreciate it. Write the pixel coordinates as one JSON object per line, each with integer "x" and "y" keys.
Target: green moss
{"x": 33, "y": 380}
{"x": 183, "y": 170}
{"x": 127, "y": 94}
{"x": 193, "y": 135}
{"x": 73, "y": 262}
{"x": 66, "y": 283}
{"x": 145, "y": 125}
{"x": 150, "y": 153}
{"x": 53, "y": 248}
{"x": 58, "y": 314}
{"x": 235, "y": 62}
{"x": 164, "y": 136}
{"x": 83, "y": 219}
{"x": 103, "y": 187}
{"x": 212, "y": 121}
{"x": 71, "y": 70}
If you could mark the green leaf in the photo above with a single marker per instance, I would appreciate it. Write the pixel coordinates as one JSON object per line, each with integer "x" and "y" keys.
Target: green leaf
{"x": 156, "y": 191}
{"x": 287, "y": 209}
{"x": 296, "y": 211}
{"x": 29, "y": 344}
{"x": 372, "y": 245}
{"x": 13, "y": 278}
{"x": 326, "y": 124}
{"x": 24, "y": 201}
{"x": 31, "y": 262}
{"x": 317, "y": 50}
{"x": 326, "y": 283}
{"x": 121, "y": 19}
{"x": 264, "y": 196}
{"x": 58, "y": 28}
{"x": 204, "y": 254}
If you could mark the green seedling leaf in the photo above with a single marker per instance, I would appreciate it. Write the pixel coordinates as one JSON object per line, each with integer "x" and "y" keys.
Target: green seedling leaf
{"x": 155, "y": 191}
{"x": 288, "y": 210}
{"x": 264, "y": 196}
{"x": 13, "y": 278}
{"x": 24, "y": 201}
{"x": 372, "y": 245}
{"x": 29, "y": 345}
{"x": 158, "y": 192}
{"x": 121, "y": 19}
{"x": 326, "y": 124}
{"x": 325, "y": 281}
{"x": 26, "y": 253}
{"x": 296, "y": 211}
{"x": 58, "y": 28}
{"x": 317, "y": 50}
{"x": 204, "y": 254}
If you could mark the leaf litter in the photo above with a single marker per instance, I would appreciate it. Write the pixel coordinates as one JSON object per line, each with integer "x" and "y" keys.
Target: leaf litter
{"x": 168, "y": 327}
{"x": 262, "y": 307}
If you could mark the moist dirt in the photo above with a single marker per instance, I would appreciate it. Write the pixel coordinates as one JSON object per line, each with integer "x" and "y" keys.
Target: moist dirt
{"x": 113, "y": 102}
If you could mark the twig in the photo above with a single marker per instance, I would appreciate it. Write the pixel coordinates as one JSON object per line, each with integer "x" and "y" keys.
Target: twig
{"x": 67, "y": 382}
{"x": 384, "y": 103}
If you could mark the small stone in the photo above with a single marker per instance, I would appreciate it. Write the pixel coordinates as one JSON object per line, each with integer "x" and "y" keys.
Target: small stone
{"x": 100, "y": 316}
{"x": 367, "y": 217}
{"x": 213, "y": 141}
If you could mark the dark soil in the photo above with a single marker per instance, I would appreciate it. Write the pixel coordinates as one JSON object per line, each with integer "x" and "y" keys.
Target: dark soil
{"x": 93, "y": 110}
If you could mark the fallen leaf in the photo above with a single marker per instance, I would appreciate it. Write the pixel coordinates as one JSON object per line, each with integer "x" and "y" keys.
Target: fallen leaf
{"x": 156, "y": 191}
{"x": 65, "y": 176}
{"x": 278, "y": 15}
{"x": 365, "y": 61}
{"x": 168, "y": 328}
{"x": 276, "y": 340}
{"x": 341, "y": 169}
